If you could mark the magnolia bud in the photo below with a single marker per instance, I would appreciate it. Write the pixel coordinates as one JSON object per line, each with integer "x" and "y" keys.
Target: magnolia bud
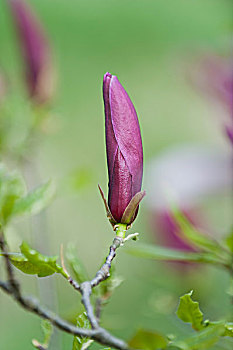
{"x": 124, "y": 152}
{"x": 36, "y": 51}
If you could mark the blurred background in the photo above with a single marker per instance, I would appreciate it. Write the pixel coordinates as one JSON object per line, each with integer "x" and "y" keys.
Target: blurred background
{"x": 161, "y": 52}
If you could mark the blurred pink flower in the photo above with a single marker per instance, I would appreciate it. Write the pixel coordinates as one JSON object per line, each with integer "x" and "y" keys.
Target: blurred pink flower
{"x": 164, "y": 223}
{"x": 184, "y": 176}
{"x": 36, "y": 50}
{"x": 213, "y": 75}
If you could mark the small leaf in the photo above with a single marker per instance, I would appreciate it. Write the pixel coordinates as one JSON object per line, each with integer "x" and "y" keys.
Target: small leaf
{"x": 148, "y": 340}
{"x": 206, "y": 338}
{"x": 189, "y": 311}
{"x": 47, "y": 330}
{"x": 35, "y": 201}
{"x": 33, "y": 263}
{"x": 108, "y": 286}
{"x": 76, "y": 264}
{"x": 82, "y": 343}
{"x": 161, "y": 253}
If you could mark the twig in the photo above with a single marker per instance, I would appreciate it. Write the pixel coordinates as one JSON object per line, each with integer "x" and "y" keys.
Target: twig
{"x": 69, "y": 278}
{"x": 101, "y": 275}
{"x": 86, "y": 290}
{"x": 104, "y": 271}
{"x": 10, "y": 274}
{"x": 98, "y": 334}
{"x": 39, "y": 346}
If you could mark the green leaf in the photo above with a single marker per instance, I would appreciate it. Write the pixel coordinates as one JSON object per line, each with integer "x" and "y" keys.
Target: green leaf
{"x": 161, "y": 253}
{"x": 204, "y": 339}
{"x": 35, "y": 201}
{"x": 14, "y": 202}
{"x": 229, "y": 241}
{"x": 82, "y": 343}
{"x": 189, "y": 311}
{"x": 148, "y": 340}
{"x": 12, "y": 187}
{"x": 228, "y": 329}
{"x": 33, "y": 263}
{"x": 76, "y": 264}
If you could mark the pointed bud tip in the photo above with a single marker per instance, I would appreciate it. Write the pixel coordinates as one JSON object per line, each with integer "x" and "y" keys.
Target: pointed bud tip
{"x": 107, "y": 76}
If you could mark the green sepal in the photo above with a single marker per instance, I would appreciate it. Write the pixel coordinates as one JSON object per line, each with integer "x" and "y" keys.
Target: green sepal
{"x": 108, "y": 211}
{"x": 131, "y": 210}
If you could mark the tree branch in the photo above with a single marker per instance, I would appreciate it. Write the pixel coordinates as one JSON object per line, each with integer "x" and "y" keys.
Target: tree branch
{"x": 104, "y": 271}
{"x": 11, "y": 287}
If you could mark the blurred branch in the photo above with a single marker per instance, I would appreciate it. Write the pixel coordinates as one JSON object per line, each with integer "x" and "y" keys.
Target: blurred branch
{"x": 97, "y": 333}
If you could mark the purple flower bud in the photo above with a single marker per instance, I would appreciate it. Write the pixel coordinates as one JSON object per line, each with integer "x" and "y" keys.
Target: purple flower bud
{"x": 36, "y": 51}
{"x": 124, "y": 152}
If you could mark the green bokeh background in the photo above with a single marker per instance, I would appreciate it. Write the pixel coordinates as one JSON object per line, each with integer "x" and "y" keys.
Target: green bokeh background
{"x": 151, "y": 46}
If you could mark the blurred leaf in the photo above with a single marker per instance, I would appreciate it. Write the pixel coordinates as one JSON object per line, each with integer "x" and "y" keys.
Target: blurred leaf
{"x": 80, "y": 179}
{"x": 189, "y": 311}
{"x": 47, "y": 330}
{"x": 204, "y": 339}
{"x": 229, "y": 241}
{"x": 33, "y": 263}
{"x": 161, "y": 253}
{"x": 228, "y": 329}
{"x": 190, "y": 233}
{"x": 148, "y": 340}
{"x": 12, "y": 187}
{"x": 107, "y": 287}
{"x": 76, "y": 264}
{"x": 82, "y": 343}
{"x": 36, "y": 200}
{"x": 13, "y": 202}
